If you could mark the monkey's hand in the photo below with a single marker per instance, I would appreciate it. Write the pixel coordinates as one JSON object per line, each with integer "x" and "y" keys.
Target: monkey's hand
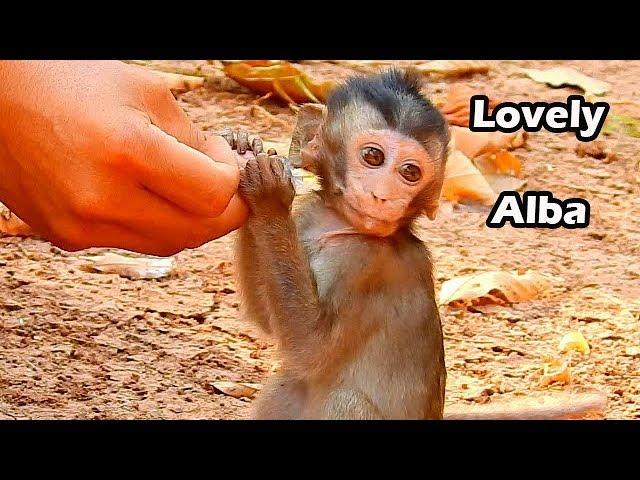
{"x": 266, "y": 185}
{"x": 246, "y": 146}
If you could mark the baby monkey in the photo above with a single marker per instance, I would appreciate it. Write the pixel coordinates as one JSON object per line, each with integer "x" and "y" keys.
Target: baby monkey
{"x": 341, "y": 282}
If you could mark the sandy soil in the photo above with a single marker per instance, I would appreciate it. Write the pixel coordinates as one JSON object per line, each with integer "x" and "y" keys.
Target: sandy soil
{"x": 75, "y": 344}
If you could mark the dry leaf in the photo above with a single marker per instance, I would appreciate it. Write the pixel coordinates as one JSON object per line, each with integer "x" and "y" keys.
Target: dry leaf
{"x": 560, "y": 76}
{"x": 504, "y": 183}
{"x": 574, "y": 341}
{"x": 12, "y": 226}
{"x": 453, "y": 68}
{"x": 179, "y": 83}
{"x": 236, "y": 390}
{"x": 496, "y": 286}
{"x": 282, "y": 79}
{"x": 464, "y": 182}
{"x": 475, "y": 144}
{"x": 597, "y": 149}
{"x": 501, "y": 162}
{"x": 501, "y": 171}
{"x": 457, "y": 108}
{"x": 129, "y": 267}
{"x": 630, "y": 125}
{"x": 555, "y": 371}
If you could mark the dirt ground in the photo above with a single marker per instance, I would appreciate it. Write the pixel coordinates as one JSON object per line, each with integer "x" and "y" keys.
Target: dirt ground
{"x": 75, "y": 344}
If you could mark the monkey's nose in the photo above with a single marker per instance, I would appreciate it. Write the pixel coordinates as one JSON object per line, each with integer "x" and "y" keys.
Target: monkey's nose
{"x": 377, "y": 198}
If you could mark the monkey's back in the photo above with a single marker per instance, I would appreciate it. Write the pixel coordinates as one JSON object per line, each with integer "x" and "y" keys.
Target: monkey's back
{"x": 380, "y": 292}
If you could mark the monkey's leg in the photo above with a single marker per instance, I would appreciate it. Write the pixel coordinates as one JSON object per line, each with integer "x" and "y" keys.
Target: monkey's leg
{"x": 281, "y": 399}
{"x": 349, "y": 404}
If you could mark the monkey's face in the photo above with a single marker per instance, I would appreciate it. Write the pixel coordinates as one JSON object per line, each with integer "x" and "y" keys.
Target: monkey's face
{"x": 385, "y": 172}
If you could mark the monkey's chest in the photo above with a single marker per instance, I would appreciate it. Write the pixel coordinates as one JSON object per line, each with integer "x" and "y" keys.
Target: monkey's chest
{"x": 350, "y": 271}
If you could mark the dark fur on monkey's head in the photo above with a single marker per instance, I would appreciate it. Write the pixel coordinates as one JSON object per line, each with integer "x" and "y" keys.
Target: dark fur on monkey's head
{"x": 389, "y": 103}
{"x": 396, "y": 95}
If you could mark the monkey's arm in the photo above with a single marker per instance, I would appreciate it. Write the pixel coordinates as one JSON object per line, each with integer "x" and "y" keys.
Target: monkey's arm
{"x": 250, "y": 271}
{"x": 286, "y": 279}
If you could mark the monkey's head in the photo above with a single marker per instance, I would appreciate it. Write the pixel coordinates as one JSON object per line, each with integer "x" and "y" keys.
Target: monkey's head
{"x": 379, "y": 148}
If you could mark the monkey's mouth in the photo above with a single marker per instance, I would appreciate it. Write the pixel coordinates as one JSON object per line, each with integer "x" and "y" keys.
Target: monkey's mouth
{"x": 369, "y": 221}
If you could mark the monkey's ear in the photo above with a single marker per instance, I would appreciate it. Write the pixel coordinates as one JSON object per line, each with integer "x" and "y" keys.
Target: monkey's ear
{"x": 310, "y": 119}
{"x": 432, "y": 204}
{"x": 431, "y": 209}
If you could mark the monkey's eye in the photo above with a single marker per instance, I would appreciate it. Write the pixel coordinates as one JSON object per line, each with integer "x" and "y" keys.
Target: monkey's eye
{"x": 410, "y": 172}
{"x": 372, "y": 156}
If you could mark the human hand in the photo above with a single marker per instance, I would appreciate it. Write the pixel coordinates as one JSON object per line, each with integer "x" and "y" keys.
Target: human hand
{"x": 99, "y": 154}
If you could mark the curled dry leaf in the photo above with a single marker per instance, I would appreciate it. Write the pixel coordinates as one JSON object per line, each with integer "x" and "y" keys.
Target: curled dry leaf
{"x": 555, "y": 372}
{"x": 281, "y": 79}
{"x": 596, "y": 149}
{"x": 475, "y": 144}
{"x": 129, "y": 267}
{"x": 502, "y": 183}
{"x": 503, "y": 162}
{"x": 464, "y": 182}
{"x": 501, "y": 170}
{"x": 457, "y": 108}
{"x": 453, "y": 68}
{"x": 574, "y": 341}
{"x": 492, "y": 170}
{"x": 235, "y": 390}
{"x": 494, "y": 286}
{"x": 12, "y": 226}
{"x": 560, "y": 76}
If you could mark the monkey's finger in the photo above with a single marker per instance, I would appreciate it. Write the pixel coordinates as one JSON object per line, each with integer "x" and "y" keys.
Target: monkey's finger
{"x": 264, "y": 166}
{"x": 277, "y": 166}
{"x": 227, "y": 134}
{"x": 288, "y": 170}
{"x": 272, "y": 151}
{"x": 250, "y": 175}
{"x": 257, "y": 146}
{"x": 242, "y": 141}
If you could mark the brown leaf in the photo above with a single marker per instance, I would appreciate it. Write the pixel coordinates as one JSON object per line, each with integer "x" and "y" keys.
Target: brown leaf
{"x": 501, "y": 171}
{"x": 500, "y": 162}
{"x": 560, "y": 76}
{"x": 457, "y": 108}
{"x": 496, "y": 286}
{"x": 236, "y": 390}
{"x": 12, "y": 226}
{"x": 464, "y": 182}
{"x": 475, "y": 144}
{"x": 597, "y": 149}
{"x": 453, "y": 68}
{"x": 501, "y": 183}
{"x": 282, "y": 79}
{"x": 555, "y": 371}
{"x": 129, "y": 267}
